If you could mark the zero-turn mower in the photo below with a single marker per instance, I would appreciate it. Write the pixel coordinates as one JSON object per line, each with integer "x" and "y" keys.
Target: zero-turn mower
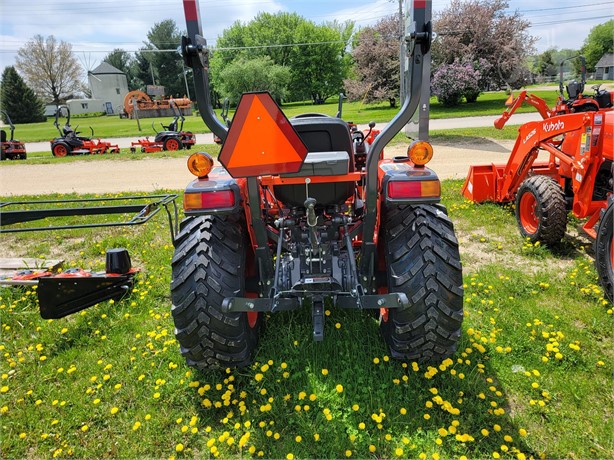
{"x": 11, "y": 149}
{"x": 70, "y": 143}
{"x": 172, "y": 138}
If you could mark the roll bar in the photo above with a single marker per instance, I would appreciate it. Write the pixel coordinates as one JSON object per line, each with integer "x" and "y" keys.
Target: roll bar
{"x": 582, "y": 71}
{"x": 57, "y": 116}
{"x": 196, "y": 55}
{"x": 416, "y": 45}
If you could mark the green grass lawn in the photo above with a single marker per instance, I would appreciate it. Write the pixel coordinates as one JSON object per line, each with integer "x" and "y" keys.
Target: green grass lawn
{"x": 532, "y": 377}
{"x": 107, "y": 127}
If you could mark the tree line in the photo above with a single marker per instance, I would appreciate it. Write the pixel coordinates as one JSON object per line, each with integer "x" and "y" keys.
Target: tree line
{"x": 479, "y": 46}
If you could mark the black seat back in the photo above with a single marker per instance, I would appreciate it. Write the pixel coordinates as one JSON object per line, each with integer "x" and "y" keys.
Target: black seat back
{"x": 325, "y": 134}
{"x": 2, "y": 135}
{"x": 321, "y": 134}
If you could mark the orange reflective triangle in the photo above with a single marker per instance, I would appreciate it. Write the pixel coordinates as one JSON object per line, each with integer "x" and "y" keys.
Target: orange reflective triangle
{"x": 261, "y": 140}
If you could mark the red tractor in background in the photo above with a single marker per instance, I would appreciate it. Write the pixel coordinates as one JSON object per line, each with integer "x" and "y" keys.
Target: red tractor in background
{"x": 303, "y": 213}
{"x": 70, "y": 143}
{"x": 578, "y": 136}
{"x": 172, "y": 138}
{"x": 11, "y": 149}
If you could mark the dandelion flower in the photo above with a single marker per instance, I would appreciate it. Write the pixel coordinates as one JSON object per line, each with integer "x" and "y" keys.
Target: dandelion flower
{"x": 339, "y": 388}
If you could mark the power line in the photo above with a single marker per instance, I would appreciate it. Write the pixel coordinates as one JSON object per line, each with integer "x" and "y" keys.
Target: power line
{"x": 563, "y": 21}
{"x": 566, "y": 7}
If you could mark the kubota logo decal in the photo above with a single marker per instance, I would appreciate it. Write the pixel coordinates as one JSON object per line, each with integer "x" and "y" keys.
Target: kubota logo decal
{"x": 550, "y": 126}
{"x": 529, "y": 136}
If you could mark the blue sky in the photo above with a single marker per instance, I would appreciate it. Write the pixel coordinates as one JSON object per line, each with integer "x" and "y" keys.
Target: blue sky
{"x": 95, "y": 27}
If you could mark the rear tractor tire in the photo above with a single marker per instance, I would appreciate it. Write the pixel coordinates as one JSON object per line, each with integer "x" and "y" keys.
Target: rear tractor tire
{"x": 541, "y": 212}
{"x": 209, "y": 265}
{"x": 604, "y": 251}
{"x": 423, "y": 262}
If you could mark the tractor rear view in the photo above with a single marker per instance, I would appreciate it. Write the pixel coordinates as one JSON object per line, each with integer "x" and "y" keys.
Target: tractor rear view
{"x": 577, "y": 135}
{"x": 305, "y": 212}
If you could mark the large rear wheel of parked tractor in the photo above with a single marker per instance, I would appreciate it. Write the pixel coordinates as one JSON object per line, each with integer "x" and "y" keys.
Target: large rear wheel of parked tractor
{"x": 541, "y": 211}
{"x": 209, "y": 265}
{"x": 61, "y": 149}
{"x": 604, "y": 251}
{"x": 173, "y": 143}
{"x": 423, "y": 261}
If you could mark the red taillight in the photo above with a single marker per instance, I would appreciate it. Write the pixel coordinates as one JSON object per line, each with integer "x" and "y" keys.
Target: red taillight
{"x": 218, "y": 199}
{"x": 414, "y": 189}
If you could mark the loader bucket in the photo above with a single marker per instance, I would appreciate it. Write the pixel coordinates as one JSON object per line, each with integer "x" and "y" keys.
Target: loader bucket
{"x": 481, "y": 183}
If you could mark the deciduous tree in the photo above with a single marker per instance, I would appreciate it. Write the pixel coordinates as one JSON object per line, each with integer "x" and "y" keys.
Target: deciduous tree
{"x": 50, "y": 68}
{"x": 600, "y": 40}
{"x": 473, "y": 29}
{"x": 314, "y": 54}
{"x": 259, "y": 74}
{"x": 376, "y": 63}
{"x": 18, "y": 100}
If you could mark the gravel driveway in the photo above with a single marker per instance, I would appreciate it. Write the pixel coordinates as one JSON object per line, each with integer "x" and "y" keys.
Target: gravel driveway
{"x": 149, "y": 174}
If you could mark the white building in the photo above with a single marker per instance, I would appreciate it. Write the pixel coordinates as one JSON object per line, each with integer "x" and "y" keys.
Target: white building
{"x": 108, "y": 85}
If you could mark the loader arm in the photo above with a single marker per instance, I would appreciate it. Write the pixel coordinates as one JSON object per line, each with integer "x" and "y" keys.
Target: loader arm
{"x": 533, "y": 137}
{"x": 530, "y": 99}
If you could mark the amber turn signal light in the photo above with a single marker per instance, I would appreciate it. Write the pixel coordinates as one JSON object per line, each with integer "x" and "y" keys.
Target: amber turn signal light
{"x": 420, "y": 152}
{"x": 200, "y": 164}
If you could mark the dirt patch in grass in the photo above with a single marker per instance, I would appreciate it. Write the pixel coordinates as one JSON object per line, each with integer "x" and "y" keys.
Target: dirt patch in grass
{"x": 479, "y": 249}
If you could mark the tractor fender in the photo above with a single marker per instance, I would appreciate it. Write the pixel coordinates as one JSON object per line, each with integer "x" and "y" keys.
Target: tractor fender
{"x": 217, "y": 193}
{"x": 403, "y": 183}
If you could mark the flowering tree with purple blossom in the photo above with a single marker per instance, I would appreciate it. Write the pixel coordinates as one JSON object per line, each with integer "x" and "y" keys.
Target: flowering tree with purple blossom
{"x": 453, "y": 81}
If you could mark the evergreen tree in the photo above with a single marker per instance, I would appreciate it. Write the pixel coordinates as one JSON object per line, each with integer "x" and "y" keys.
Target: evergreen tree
{"x": 18, "y": 100}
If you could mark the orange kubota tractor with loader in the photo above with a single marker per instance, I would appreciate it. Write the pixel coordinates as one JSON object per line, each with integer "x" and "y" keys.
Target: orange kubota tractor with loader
{"x": 305, "y": 212}
{"x": 577, "y": 138}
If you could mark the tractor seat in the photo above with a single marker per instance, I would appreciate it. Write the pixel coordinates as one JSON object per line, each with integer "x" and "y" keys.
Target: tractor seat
{"x": 574, "y": 89}
{"x": 2, "y": 135}
{"x": 330, "y": 153}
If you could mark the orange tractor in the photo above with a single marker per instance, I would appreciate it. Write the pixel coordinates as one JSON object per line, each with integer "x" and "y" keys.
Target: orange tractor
{"x": 306, "y": 212}
{"x": 577, "y": 138}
